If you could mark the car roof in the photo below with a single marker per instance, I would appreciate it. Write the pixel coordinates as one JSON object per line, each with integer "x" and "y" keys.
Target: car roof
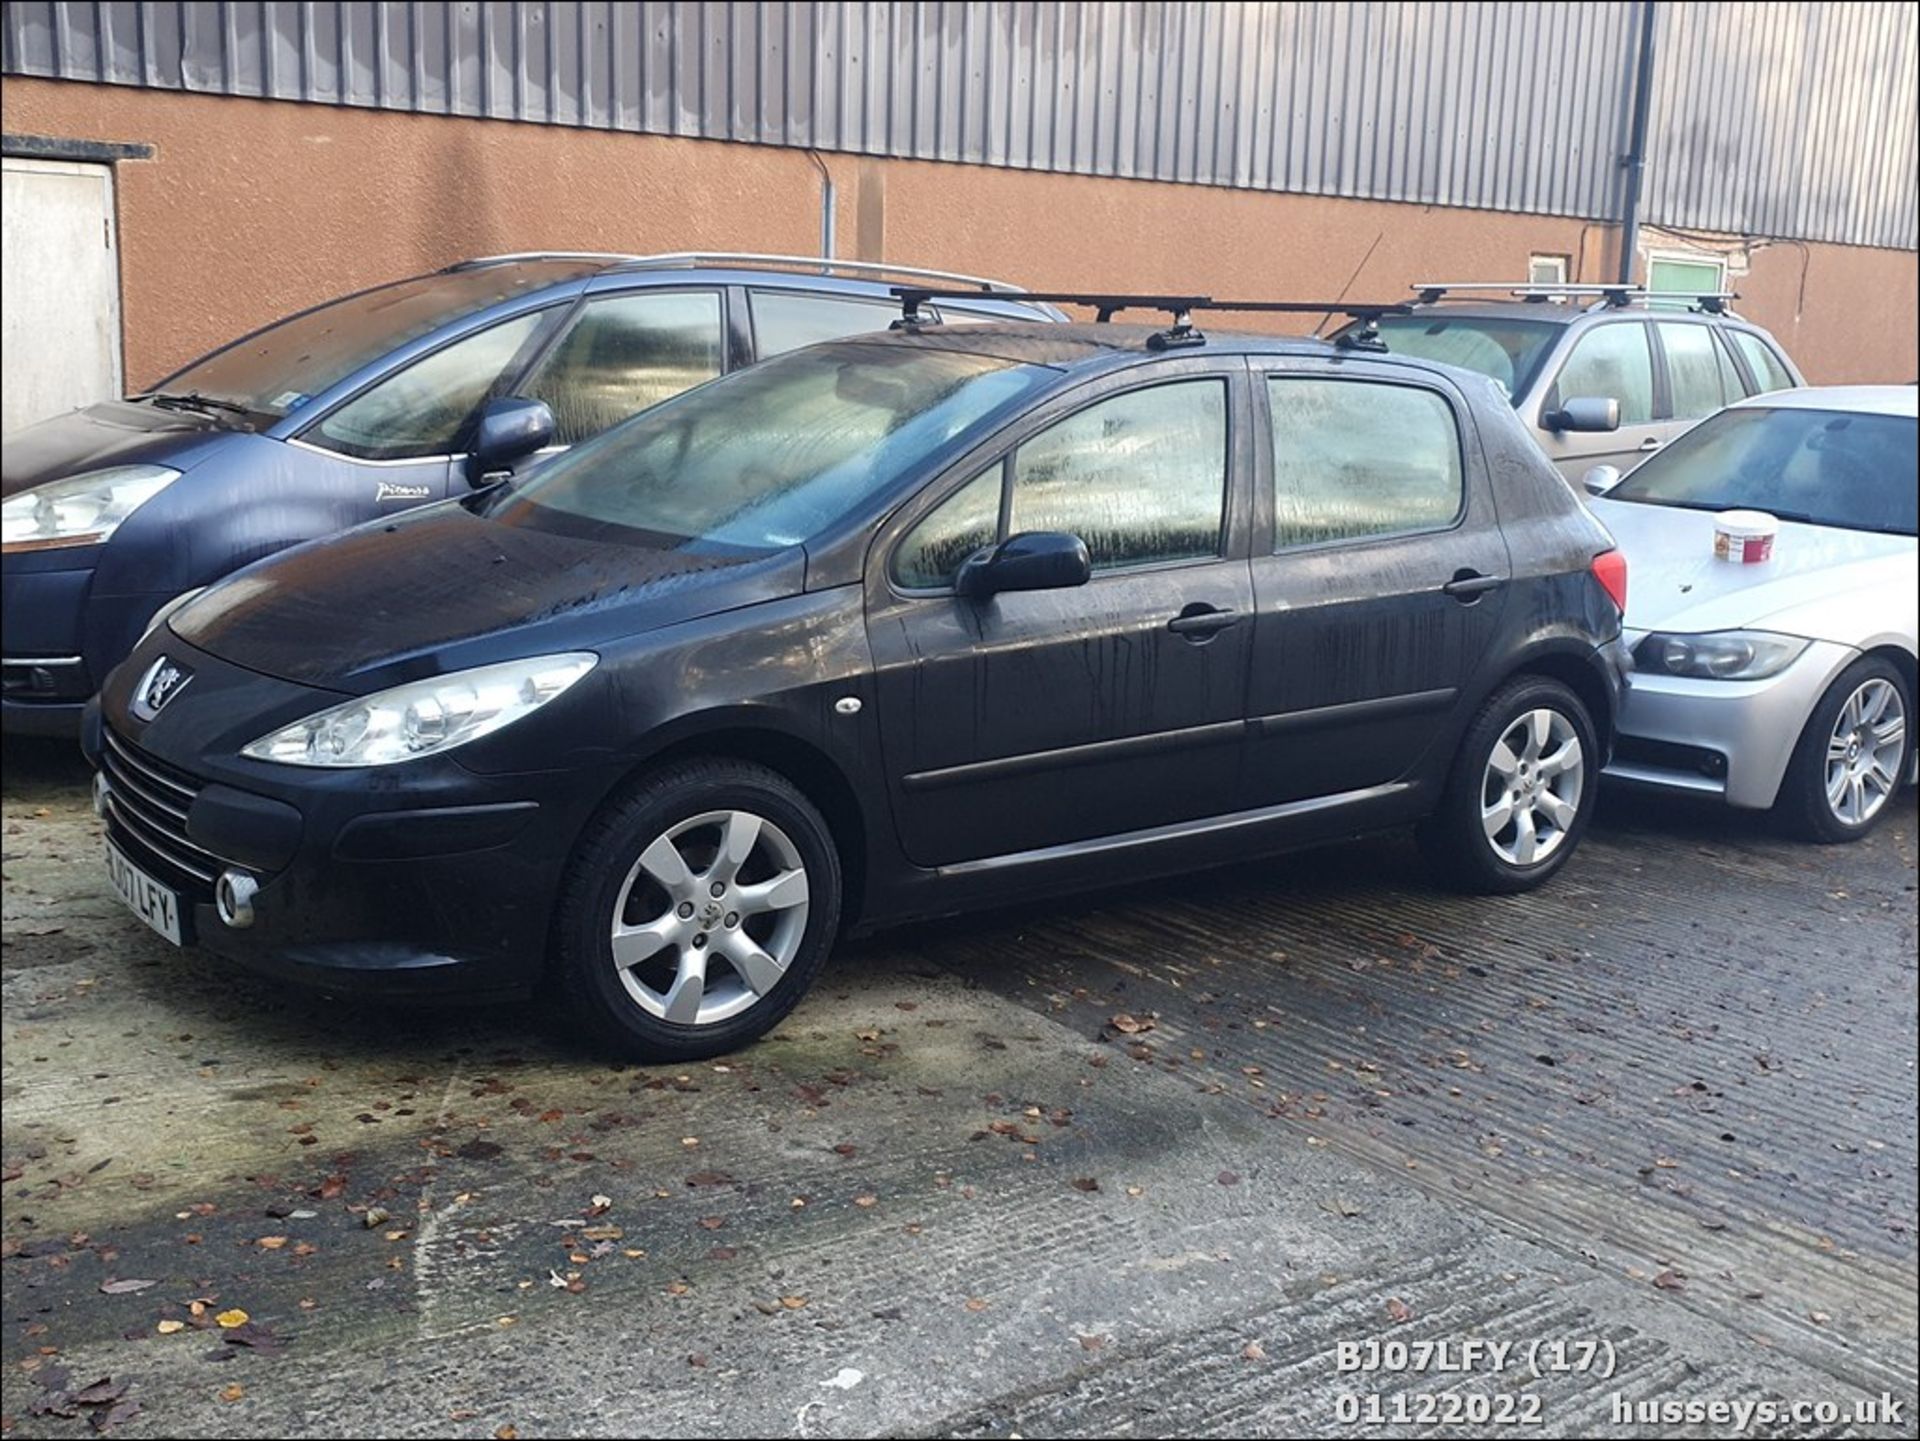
{"x": 1857, "y": 399}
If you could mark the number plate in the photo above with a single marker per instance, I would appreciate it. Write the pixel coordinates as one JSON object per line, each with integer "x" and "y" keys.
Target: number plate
{"x": 157, "y": 905}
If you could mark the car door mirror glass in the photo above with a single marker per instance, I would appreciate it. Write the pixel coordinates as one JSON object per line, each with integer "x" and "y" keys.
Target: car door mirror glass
{"x": 1588, "y": 413}
{"x": 1035, "y": 560}
{"x": 1601, "y": 479}
{"x": 510, "y": 428}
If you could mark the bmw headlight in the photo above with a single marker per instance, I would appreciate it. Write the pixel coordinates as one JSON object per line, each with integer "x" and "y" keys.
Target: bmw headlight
{"x": 1719, "y": 655}
{"x": 80, "y": 510}
{"x": 424, "y": 717}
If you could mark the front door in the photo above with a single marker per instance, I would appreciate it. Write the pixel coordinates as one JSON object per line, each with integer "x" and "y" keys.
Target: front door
{"x": 1380, "y": 577}
{"x": 1043, "y": 718}
{"x": 1612, "y": 359}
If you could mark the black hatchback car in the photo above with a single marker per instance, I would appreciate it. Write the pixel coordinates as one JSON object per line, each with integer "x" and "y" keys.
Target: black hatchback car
{"x": 883, "y": 628}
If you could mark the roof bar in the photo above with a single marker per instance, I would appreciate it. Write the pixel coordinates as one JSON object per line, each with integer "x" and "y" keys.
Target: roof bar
{"x": 1106, "y": 304}
{"x": 1431, "y": 291}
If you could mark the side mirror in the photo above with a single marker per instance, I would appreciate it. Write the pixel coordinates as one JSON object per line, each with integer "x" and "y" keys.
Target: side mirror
{"x": 1037, "y": 560}
{"x": 1586, "y": 413}
{"x": 1601, "y": 479}
{"x": 511, "y": 428}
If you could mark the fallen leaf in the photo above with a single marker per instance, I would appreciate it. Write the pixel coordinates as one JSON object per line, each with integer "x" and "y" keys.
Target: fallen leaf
{"x": 976, "y": 1304}
{"x": 233, "y": 1392}
{"x": 1091, "y": 1343}
{"x": 1227, "y": 1178}
{"x": 478, "y": 1150}
{"x": 271, "y": 1243}
{"x": 1128, "y": 1025}
{"x": 1670, "y": 1281}
{"x": 793, "y": 1303}
{"x": 1253, "y": 1351}
{"x": 864, "y": 1201}
{"x": 167, "y": 1328}
{"x": 229, "y": 1319}
{"x": 1085, "y": 1183}
{"x": 1399, "y": 1312}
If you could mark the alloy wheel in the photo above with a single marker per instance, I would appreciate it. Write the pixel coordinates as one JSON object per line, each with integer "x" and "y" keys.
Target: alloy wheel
{"x": 1530, "y": 792}
{"x": 710, "y": 917}
{"x": 1863, "y": 752}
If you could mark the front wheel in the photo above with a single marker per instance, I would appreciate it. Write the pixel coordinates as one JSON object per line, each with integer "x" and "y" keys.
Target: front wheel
{"x": 1521, "y": 791}
{"x": 1851, "y": 757}
{"x": 699, "y": 905}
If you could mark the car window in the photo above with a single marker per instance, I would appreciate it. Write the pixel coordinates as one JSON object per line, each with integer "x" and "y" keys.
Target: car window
{"x": 1761, "y": 360}
{"x": 624, "y": 353}
{"x": 1696, "y": 372}
{"x": 1823, "y": 467}
{"x": 788, "y": 319}
{"x": 960, "y": 525}
{"x": 1507, "y": 351}
{"x": 1141, "y": 477}
{"x": 1355, "y": 458}
{"x": 420, "y": 411}
{"x": 766, "y": 457}
{"x": 1732, "y": 384}
{"x": 281, "y": 368}
{"x": 1611, "y": 360}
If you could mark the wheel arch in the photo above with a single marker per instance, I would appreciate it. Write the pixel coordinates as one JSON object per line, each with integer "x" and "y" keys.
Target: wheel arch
{"x": 799, "y": 761}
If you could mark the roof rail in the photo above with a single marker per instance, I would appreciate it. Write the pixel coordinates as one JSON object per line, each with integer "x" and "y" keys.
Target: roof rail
{"x": 1708, "y": 302}
{"x": 1431, "y": 291}
{"x": 819, "y": 264}
{"x": 477, "y": 261}
{"x": 1106, "y": 304}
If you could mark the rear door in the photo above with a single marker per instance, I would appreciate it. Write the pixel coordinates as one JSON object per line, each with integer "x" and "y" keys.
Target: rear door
{"x": 1379, "y": 574}
{"x": 1698, "y": 371}
{"x": 1613, "y": 358}
{"x": 1049, "y": 717}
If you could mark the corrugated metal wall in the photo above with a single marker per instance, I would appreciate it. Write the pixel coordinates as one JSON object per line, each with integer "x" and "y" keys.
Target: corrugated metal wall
{"x": 1792, "y": 119}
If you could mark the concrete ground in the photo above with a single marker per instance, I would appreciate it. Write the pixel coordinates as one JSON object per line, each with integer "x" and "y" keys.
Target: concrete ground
{"x": 1147, "y": 1164}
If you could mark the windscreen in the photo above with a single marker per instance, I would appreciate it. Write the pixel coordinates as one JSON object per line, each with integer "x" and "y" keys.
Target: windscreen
{"x": 767, "y": 458}
{"x": 1508, "y": 351}
{"x": 1824, "y": 467}
{"x": 278, "y": 370}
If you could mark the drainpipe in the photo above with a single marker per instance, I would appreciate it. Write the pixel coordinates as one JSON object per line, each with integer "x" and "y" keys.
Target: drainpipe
{"x": 826, "y": 205}
{"x": 1636, "y": 157}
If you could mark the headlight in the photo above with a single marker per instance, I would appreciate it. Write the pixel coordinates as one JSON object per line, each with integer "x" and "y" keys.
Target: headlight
{"x": 1719, "y": 655}
{"x": 80, "y": 510}
{"x": 425, "y": 716}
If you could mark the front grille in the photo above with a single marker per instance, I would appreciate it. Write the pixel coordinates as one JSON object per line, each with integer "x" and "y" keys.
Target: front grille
{"x": 44, "y": 678}
{"x": 148, "y": 804}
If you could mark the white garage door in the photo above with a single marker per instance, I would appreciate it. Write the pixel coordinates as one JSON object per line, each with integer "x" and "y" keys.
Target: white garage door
{"x": 60, "y": 301}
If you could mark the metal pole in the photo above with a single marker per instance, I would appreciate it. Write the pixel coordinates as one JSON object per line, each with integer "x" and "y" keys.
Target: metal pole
{"x": 1636, "y": 158}
{"x": 826, "y": 205}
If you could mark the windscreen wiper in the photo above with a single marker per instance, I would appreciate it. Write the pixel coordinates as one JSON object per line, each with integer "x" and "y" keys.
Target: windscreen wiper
{"x": 194, "y": 400}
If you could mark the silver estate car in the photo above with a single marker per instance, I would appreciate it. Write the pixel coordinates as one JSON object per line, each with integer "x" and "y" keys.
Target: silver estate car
{"x": 1599, "y": 373}
{"x": 1788, "y": 682}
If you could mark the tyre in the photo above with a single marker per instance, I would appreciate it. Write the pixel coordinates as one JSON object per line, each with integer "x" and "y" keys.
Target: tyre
{"x": 1521, "y": 791}
{"x": 698, "y": 907}
{"x": 1851, "y": 757}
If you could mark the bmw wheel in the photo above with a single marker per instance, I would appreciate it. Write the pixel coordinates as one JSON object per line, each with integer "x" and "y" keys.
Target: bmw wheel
{"x": 698, "y": 908}
{"x": 1853, "y": 755}
{"x": 1521, "y": 792}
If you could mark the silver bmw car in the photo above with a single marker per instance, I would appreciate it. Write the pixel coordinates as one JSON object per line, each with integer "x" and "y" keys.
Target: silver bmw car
{"x": 1787, "y": 682}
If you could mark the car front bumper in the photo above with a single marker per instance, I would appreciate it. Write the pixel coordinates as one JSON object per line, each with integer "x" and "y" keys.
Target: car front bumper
{"x": 1729, "y": 739}
{"x": 59, "y": 636}
{"x": 426, "y": 880}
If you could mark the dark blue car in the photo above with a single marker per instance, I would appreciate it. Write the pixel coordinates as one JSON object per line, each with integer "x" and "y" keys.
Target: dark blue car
{"x": 369, "y": 405}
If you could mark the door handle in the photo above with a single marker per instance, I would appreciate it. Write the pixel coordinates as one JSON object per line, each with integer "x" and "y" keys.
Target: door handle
{"x": 1467, "y": 586}
{"x": 1199, "y": 621}
{"x": 1652, "y": 442}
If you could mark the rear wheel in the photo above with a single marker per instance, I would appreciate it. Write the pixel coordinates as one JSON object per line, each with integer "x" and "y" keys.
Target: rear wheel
{"x": 1521, "y": 792}
{"x": 1852, "y": 756}
{"x": 699, "y": 907}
